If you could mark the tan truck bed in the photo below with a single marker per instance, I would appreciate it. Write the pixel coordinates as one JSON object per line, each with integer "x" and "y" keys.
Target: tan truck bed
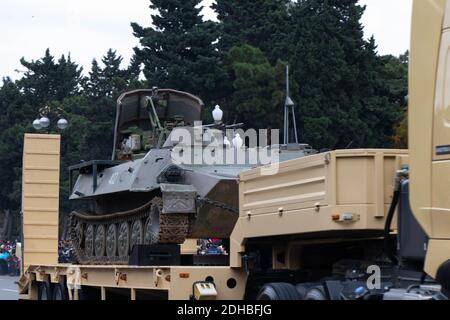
{"x": 330, "y": 192}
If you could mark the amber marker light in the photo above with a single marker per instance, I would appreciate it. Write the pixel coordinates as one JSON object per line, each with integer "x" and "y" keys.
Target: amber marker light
{"x": 336, "y": 217}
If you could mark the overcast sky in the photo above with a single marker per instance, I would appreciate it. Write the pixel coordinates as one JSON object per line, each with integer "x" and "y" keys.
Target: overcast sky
{"x": 88, "y": 28}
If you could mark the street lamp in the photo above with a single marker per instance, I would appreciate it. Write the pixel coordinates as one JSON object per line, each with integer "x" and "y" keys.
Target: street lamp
{"x": 37, "y": 124}
{"x": 44, "y": 122}
{"x": 62, "y": 124}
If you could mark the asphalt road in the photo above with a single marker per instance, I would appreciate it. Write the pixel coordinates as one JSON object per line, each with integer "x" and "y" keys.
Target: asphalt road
{"x": 8, "y": 289}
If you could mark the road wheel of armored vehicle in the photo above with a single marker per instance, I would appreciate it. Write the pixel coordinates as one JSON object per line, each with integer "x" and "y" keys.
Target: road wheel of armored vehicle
{"x": 111, "y": 241}
{"x": 89, "y": 241}
{"x": 79, "y": 232}
{"x": 124, "y": 239}
{"x": 100, "y": 241}
{"x": 137, "y": 234}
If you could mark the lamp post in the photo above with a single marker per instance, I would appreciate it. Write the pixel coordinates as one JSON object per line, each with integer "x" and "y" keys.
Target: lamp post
{"x": 43, "y": 121}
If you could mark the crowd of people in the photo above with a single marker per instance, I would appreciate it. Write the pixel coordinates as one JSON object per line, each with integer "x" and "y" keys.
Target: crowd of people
{"x": 212, "y": 246}
{"x": 65, "y": 252}
{"x": 9, "y": 262}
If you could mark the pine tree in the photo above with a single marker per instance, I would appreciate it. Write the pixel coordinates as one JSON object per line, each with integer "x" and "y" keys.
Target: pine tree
{"x": 256, "y": 99}
{"x": 342, "y": 102}
{"x": 114, "y": 77}
{"x": 133, "y": 72}
{"x": 16, "y": 114}
{"x": 263, "y": 24}
{"x": 178, "y": 51}
{"x": 47, "y": 80}
{"x": 95, "y": 81}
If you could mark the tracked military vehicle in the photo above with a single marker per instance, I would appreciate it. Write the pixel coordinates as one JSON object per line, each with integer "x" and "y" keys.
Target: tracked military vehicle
{"x": 143, "y": 195}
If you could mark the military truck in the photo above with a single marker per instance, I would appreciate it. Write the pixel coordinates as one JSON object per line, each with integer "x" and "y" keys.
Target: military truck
{"x": 342, "y": 225}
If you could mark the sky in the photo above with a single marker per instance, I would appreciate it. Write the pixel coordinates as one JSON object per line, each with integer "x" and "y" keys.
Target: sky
{"x": 88, "y": 28}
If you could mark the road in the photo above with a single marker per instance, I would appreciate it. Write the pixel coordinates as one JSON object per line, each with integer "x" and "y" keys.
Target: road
{"x": 8, "y": 289}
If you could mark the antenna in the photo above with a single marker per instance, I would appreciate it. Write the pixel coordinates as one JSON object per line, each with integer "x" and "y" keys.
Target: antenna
{"x": 288, "y": 109}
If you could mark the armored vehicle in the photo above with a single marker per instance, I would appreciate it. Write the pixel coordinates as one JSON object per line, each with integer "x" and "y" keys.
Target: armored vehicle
{"x": 145, "y": 194}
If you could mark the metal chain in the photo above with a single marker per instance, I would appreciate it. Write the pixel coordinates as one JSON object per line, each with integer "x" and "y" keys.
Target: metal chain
{"x": 217, "y": 204}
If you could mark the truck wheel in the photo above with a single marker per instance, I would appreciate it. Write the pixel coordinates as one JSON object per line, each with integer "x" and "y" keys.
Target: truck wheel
{"x": 45, "y": 291}
{"x": 60, "y": 292}
{"x": 278, "y": 291}
{"x": 316, "y": 293}
{"x": 303, "y": 288}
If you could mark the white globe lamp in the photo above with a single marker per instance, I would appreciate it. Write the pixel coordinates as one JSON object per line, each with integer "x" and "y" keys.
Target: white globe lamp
{"x": 37, "y": 124}
{"x": 45, "y": 122}
{"x": 63, "y": 124}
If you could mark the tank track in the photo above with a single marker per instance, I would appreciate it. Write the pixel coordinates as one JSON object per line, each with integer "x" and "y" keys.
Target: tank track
{"x": 173, "y": 229}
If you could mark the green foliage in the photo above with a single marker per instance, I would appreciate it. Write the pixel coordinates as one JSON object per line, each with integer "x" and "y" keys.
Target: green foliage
{"x": 88, "y": 105}
{"x": 346, "y": 94}
{"x": 256, "y": 97}
{"x": 264, "y": 24}
{"x": 47, "y": 80}
{"x": 178, "y": 51}
{"x": 342, "y": 99}
{"x": 401, "y": 132}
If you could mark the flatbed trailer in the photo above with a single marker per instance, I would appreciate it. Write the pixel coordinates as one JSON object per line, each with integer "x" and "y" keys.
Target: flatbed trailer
{"x": 327, "y": 202}
{"x": 41, "y": 270}
{"x": 134, "y": 283}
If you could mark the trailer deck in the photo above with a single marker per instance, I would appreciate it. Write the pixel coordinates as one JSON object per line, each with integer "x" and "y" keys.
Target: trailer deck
{"x": 174, "y": 283}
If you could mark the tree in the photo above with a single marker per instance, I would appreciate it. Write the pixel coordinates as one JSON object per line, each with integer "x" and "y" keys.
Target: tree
{"x": 262, "y": 24}
{"x": 256, "y": 99}
{"x": 401, "y": 132}
{"x": 94, "y": 84}
{"x": 178, "y": 51}
{"x": 342, "y": 101}
{"x": 16, "y": 112}
{"x": 109, "y": 81}
{"x": 395, "y": 77}
{"x": 47, "y": 80}
{"x": 134, "y": 72}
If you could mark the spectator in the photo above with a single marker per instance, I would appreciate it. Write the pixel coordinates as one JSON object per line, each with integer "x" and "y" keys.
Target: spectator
{"x": 9, "y": 262}
{"x": 4, "y": 256}
{"x": 65, "y": 252}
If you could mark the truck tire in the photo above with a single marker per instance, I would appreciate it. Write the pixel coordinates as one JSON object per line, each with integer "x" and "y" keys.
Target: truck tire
{"x": 316, "y": 293}
{"x": 303, "y": 289}
{"x": 278, "y": 291}
{"x": 45, "y": 291}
